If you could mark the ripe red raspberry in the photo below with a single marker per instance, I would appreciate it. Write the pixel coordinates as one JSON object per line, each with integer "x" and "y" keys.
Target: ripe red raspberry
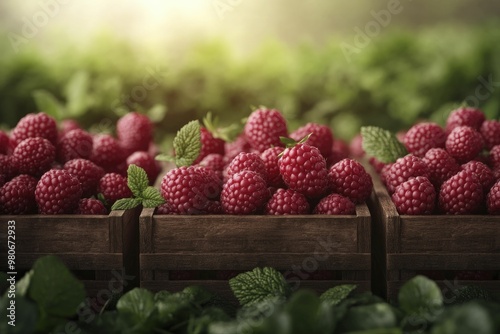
{"x": 66, "y": 126}
{"x": 483, "y": 173}
{"x": 87, "y": 172}
{"x": 135, "y": 132}
{"x": 57, "y": 192}
{"x": 461, "y": 194}
{"x": 495, "y": 156}
{"x": 35, "y": 125}
{"x": 91, "y": 206}
{"x": 147, "y": 162}
{"x": 404, "y": 169}
{"x": 464, "y": 143}
{"x": 165, "y": 209}
{"x": 234, "y": 148}
{"x": 17, "y": 197}
{"x": 73, "y": 145}
{"x": 209, "y": 145}
{"x": 303, "y": 169}
{"x": 244, "y": 193}
{"x": 350, "y": 179}
{"x": 264, "y": 128}
{"x": 213, "y": 181}
{"x": 270, "y": 158}
{"x": 113, "y": 187}
{"x": 287, "y": 202}
{"x": 335, "y": 204}
{"x": 356, "y": 147}
{"x": 247, "y": 161}
{"x": 213, "y": 161}
{"x": 321, "y": 137}
{"x": 107, "y": 152}
{"x": 490, "y": 130}
{"x": 424, "y": 136}
{"x": 415, "y": 197}
{"x": 4, "y": 142}
{"x": 7, "y": 166}
{"x": 384, "y": 172}
{"x": 33, "y": 156}
{"x": 493, "y": 199}
{"x": 441, "y": 166}
{"x": 465, "y": 116}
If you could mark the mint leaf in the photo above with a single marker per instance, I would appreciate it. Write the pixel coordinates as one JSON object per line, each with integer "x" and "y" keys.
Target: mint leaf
{"x": 382, "y": 144}
{"x": 137, "y": 180}
{"x": 337, "y": 294}
{"x": 187, "y": 144}
{"x": 47, "y": 103}
{"x": 151, "y": 198}
{"x": 289, "y": 142}
{"x": 420, "y": 296}
{"x": 126, "y": 203}
{"x": 138, "y": 304}
{"x": 465, "y": 319}
{"x": 258, "y": 284}
{"x": 308, "y": 314}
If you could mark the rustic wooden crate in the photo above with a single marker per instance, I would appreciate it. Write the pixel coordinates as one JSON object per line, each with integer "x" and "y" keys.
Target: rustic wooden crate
{"x": 225, "y": 242}
{"x": 404, "y": 245}
{"x": 100, "y": 250}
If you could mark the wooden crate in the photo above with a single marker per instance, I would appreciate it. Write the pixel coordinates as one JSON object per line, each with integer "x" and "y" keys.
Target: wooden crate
{"x": 100, "y": 250}
{"x": 404, "y": 245}
{"x": 224, "y": 242}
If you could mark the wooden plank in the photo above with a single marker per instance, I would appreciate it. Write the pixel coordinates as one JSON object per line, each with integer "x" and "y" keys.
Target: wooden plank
{"x": 364, "y": 229}
{"x": 146, "y": 245}
{"x": 450, "y": 261}
{"x": 130, "y": 239}
{"x": 89, "y": 261}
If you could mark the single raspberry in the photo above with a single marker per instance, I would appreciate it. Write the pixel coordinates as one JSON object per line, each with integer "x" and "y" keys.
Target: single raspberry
{"x": 424, "y": 136}
{"x": 264, "y": 128}
{"x": 7, "y": 166}
{"x": 33, "y": 156}
{"x": 57, "y": 192}
{"x": 465, "y": 116}
{"x": 483, "y": 172}
{"x": 441, "y": 166}
{"x": 213, "y": 161}
{"x": 321, "y": 137}
{"x": 4, "y": 143}
{"x": 17, "y": 197}
{"x": 356, "y": 146}
{"x": 384, "y": 172}
{"x": 244, "y": 193}
{"x": 464, "y": 143}
{"x": 415, "y": 197}
{"x": 113, "y": 187}
{"x": 287, "y": 202}
{"x": 67, "y": 125}
{"x": 490, "y": 130}
{"x": 35, "y": 125}
{"x": 495, "y": 157}
{"x": 234, "y": 148}
{"x": 340, "y": 151}
{"x": 247, "y": 161}
{"x": 404, "y": 169}
{"x": 461, "y": 194}
{"x": 212, "y": 180}
{"x": 335, "y": 204}
{"x": 303, "y": 169}
{"x": 493, "y": 199}
{"x": 135, "y": 132}
{"x": 147, "y": 162}
{"x": 74, "y": 144}
{"x": 107, "y": 152}
{"x": 87, "y": 172}
{"x": 91, "y": 206}
{"x": 350, "y": 179}
{"x": 209, "y": 145}
{"x": 270, "y": 158}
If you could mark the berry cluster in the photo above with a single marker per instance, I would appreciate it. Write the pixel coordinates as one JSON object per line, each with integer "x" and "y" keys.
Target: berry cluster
{"x": 49, "y": 170}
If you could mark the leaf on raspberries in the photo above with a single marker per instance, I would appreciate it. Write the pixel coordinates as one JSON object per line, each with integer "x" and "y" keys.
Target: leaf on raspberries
{"x": 47, "y": 103}
{"x": 137, "y": 180}
{"x": 227, "y": 134}
{"x": 187, "y": 144}
{"x": 126, "y": 203}
{"x": 151, "y": 198}
{"x": 382, "y": 144}
{"x": 289, "y": 142}
{"x": 337, "y": 294}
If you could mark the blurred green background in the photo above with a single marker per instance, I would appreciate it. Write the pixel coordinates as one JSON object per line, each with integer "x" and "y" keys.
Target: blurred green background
{"x": 345, "y": 64}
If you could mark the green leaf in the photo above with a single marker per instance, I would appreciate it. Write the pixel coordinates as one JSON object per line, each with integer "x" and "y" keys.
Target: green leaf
{"x": 151, "y": 198}
{"x": 175, "y": 309}
{"x": 258, "y": 284}
{"x": 22, "y": 286}
{"x": 465, "y": 319}
{"x": 289, "y": 142}
{"x": 368, "y": 317}
{"x": 157, "y": 113}
{"x": 309, "y": 315}
{"x": 187, "y": 144}
{"x": 137, "y": 180}
{"x": 420, "y": 296}
{"x": 199, "y": 325}
{"x": 47, "y": 103}
{"x": 26, "y": 316}
{"x": 382, "y": 144}
{"x": 126, "y": 204}
{"x": 336, "y": 294}
{"x": 137, "y": 304}
{"x": 56, "y": 291}
{"x": 198, "y": 294}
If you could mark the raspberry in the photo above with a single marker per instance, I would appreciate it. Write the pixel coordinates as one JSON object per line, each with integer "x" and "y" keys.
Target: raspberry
{"x": 236, "y": 147}
{"x": 33, "y": 156}
{"x": 340, "y": 151}
{"x": 356, "y": 146}
{"x": 350, "y": 179}
{"x": 74, "y": 144}
{"x": 244, "y": 193}
{"x": 264, "y": 128}
{"x": 135, "y": 132}
{"x": 321, "y": 137}
{"x": 4, "y": 142}
{"x": 107, "y": 152}
{"x": 209, "y": 145}
{"x": 17, "y": 197}
{"x": 247, "y": 161}
{"x": 495, "y": 156}
{"x": 490, "y": 130}
{"x": 91, "y": 206}
{"x": 35, "y": 125}
{"x": 7, "y": 167}
{"x": 113, "y": 187}
{"x": 67, "y": 125}
{"x": 464, "y": 143}
{"x": 384, "y": 172}
{"x": 404, "y": 169}
{"x": 165, "y": 209}
{"x": 483, "y": 173}
{"x": 424, "y": 136}
{"x": 57, "y": 192}
{"x": 415, "y": 197}
{"x": 493, "y": 199}
{"x": 287, "y": 202}
{"x": 303, "y": 169}
{"x": 147, "y": 162}
{"x": 465, "y": 117}
{"x": 270, "y": 158}
{"x": 335, "y": 204}
{"x": 213, "y": 161}
{"x": 461, "y": 194}
{"x": 441, "y": 166}
{"x": 87, "y": 173}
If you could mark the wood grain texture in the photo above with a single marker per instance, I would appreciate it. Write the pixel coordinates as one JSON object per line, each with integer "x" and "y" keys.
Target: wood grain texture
{"x": 89, "y": 261}
{"x": 447, "y": 261}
